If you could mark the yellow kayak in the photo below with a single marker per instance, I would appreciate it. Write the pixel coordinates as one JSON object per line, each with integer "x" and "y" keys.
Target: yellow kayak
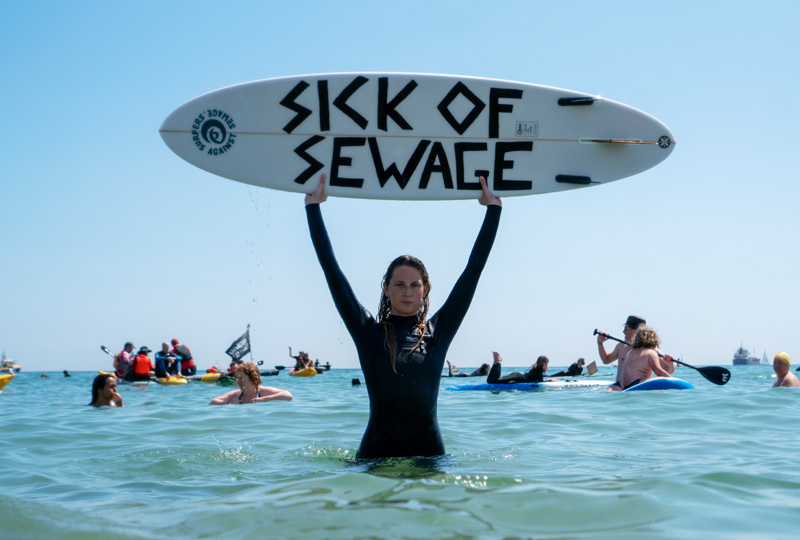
{"x": 5, "y": 379}
{"x": 210, "y": 377}
{"x": 308, "y": 372}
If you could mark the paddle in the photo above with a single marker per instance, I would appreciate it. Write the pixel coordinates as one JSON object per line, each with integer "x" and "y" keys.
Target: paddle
{"x": 714, "y": 374}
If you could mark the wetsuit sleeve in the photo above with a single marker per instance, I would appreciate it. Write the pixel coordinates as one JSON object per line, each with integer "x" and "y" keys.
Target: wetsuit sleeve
{"x": 449, "y": 317}
{"x": 348, "y": 306}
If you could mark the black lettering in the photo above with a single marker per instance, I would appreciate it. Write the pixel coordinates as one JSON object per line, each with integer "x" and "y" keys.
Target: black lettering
{"x": 313, "y": 164}
{"x": 477, "y": 106}
{"x": 341, "y": 101}
{"x": 388, "y": 109}
{"x": 289, "y": 102}
{"x": 495, "y": 108}
{"x": 392, "y": 170}
{"x": 461, "y": 149}
{"x": 324, "y": 110}
{"x": 500, "y": 164}
{"x": 343, "y": 161}
{"x": 437, "y": 162}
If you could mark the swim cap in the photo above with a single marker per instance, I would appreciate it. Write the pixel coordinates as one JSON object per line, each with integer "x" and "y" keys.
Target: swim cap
{"x": 784, "y": 357}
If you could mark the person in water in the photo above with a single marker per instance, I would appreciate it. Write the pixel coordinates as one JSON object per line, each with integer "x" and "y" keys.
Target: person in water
{"x": 574, "y": 370}
{"x": 643, "y": 359}
{"x": 480, "y": 372}
{"x": 104, "y": 392}
{"x": 401, "y": 352}
{"x": 534, "y": 375}
{"x": 621, "y": 351}
{"x": 781, "y": 365}
{"x": 250, "y": 390}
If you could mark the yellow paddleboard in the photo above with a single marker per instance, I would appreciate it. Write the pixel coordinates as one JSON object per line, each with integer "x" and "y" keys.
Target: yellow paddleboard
{"x": 210, "y": 377}
{"x": 172, "y": 381}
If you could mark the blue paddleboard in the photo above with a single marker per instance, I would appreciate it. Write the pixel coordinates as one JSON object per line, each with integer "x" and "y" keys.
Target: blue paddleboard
{"x": 547, "y": 385}
{"x": 661, "y": 383}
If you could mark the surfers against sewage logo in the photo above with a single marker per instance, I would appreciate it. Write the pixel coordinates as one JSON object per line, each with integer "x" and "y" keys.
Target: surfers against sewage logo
{"x": 211, "y": 132}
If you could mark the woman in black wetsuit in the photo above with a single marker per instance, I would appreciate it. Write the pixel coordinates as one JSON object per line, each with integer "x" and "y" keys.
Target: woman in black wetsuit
{"x": 401, "y": 353}
{"x": 534, "y": 375}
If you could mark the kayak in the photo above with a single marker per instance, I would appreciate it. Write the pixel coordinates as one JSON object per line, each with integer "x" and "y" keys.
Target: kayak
{"x": 527, "y": 387}
{"x": 307, "y": 372}
{"x": 661, "y": 383}
{"x": 5, "y": 379}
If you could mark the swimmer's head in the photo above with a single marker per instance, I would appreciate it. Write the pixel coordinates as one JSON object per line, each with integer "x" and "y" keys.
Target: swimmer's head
{"x": 784, "y": 357}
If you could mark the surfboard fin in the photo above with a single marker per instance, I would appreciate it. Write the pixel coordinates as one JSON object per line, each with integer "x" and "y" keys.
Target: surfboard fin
{"x": 574, "y": 101}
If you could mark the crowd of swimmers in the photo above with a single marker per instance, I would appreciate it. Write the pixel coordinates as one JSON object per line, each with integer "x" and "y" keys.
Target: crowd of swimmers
{"x": 402, "y": 350}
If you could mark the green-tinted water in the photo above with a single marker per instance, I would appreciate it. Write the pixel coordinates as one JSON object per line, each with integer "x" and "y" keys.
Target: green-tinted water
{"x": 714, "y": 462}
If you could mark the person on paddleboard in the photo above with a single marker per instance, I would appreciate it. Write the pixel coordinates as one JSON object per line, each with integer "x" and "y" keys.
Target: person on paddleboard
{"x": 401, "y": 352}
{"x": 619, "y": 353}
{"x": 574, "y": 370}
{"x": 534, "y": 375}
{"x": 480, "y": 372}
{"x": 781, "y": 365}
{"x": 124, "y": 361}
{"x": 643, "y": 359}
{"x": 250, "y": 390}
{"x": 167, "y": 364}
{"x": 188, "y": 367}
{"x": 104, "y": 391}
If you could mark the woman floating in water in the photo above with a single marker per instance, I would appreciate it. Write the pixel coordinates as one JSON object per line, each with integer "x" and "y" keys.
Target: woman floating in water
{"x": 250, "y": 390}
{"x": 402, "y": 352}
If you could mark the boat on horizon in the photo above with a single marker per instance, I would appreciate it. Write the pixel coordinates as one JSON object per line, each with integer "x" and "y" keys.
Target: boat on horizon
{"x": 7, "y": 365}
{"x": 742, "y": 357}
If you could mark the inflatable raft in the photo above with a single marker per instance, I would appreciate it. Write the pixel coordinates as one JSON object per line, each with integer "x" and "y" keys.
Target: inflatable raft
{"x": 5, "y": 379}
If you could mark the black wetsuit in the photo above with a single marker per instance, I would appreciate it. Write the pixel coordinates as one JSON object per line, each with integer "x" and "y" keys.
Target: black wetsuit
{"x": 535, "y": 374}
{"x": 402, "y": 415}
{"x": 571, "y": 371}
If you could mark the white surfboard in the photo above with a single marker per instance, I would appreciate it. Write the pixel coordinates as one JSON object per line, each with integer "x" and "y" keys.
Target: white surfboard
{"x": 414, "y": 136}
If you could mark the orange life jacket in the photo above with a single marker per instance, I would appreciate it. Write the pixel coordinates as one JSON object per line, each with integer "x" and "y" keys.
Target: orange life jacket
{"x": 141, "y": 366}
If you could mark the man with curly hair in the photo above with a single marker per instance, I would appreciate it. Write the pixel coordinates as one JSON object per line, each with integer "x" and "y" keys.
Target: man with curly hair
{"x": 643, "y": 359}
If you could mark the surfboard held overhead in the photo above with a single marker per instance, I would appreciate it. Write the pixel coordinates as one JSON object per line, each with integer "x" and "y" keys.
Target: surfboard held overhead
{"x": 408, "y": 136}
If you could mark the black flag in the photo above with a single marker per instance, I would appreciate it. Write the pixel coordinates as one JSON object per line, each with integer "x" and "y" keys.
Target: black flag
{"x": 240, "y": 347}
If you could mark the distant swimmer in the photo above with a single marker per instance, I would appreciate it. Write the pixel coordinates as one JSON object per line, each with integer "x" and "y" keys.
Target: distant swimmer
{"x": 400, "y": 351}
{"x": 250, "y": 390}
{"x": 104, "y": 392}
{"x": 619, "y": 353}
{"x": 643, "y": 360}
{"x": 66, "y": 373}
{"x": 574, "y": 370}
{"x": 781, "y": 365}
{"x": 534, "y": 375}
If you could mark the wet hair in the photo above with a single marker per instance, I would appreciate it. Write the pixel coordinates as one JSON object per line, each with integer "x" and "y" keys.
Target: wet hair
{"x": 251, "y": 370}
{"x": 581, "y": 361}
{"x": 646, "y": 338}
{"x": 484, "y": 369}
{"x": 98, "y": 384}
{"x": 541, "y": 360}
{"x": 385, "y": 306}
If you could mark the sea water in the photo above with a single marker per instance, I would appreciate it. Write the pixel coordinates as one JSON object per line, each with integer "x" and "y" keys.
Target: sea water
{"x": 713, "y": 462}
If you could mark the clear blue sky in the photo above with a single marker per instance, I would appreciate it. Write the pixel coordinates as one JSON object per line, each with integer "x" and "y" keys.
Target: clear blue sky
{"x": 107, "y": 236}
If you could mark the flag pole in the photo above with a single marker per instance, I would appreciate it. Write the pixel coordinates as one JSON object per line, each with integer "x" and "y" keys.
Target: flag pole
{"x": 249, "y": 343}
